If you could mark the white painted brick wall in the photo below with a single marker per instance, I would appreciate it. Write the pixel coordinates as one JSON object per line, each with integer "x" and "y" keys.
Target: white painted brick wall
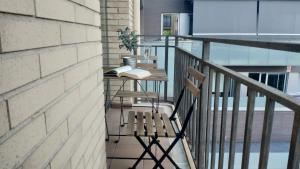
{"x": 17, "y": 70}
{"x": 19, "y": 33}
{"x": 55, "y": 59}
{"x": 64, "y": 154}
{"x": 16, "y": 6}
{"x": 95, "y": 64}
{"x": 14, "y": 150}
{"x": 93, "y": 4}
{"x": 60, "y": 111}
{"x": 76, "y": 74}
{"x": 88, "y": 50}
{"x": 93, "y": 34}
{"x": 72, "y": 33}
{"x": 78, "y": 115}
{"x": 86, "y": 16}
{"x": 51, "y": 89}
{"x": 41, "y": 156}
{"x": 56, "y": 9}
{"x": 4, "y": 125}
{"x": 89, "y": 84}
{"x": 25, "y": 104}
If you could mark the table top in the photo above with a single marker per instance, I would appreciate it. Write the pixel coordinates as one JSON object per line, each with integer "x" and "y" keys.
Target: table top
{"x": 156, "y": 75}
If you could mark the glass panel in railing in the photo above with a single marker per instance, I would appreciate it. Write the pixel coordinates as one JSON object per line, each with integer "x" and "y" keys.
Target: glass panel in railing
{"x": 226, "y": 54}
{"x": 154, "y": 47}
{"x": 192, "y": 46}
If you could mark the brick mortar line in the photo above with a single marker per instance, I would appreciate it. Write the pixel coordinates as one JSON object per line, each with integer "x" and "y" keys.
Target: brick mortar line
{"x": 47, "y": 19}
{"x": 52, "y": 46}
{"x": 28, "y": 120}
{"x": 35, "y": 147}
{"x": 74, "y": 151}
{"x": 40, "y": 49}
{"x": 86, "y": 6}
{"x": 37, "y": 82}
{"x": 92, "y": 154}
{"x": 93, "y": 136}
{"x": 69, "y": 135}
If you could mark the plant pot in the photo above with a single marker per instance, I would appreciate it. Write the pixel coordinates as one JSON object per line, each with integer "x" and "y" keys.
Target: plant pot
{"x": 130, "y": 61}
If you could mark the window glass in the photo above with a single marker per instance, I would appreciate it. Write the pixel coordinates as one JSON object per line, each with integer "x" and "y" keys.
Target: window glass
{"x": 273, "y": 80}
{"x": 167, "y": 21}
{"x": 281, "y": 82}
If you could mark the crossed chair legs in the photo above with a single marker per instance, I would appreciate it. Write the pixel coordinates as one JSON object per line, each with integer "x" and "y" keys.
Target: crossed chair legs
{"x": 148, "y": 150}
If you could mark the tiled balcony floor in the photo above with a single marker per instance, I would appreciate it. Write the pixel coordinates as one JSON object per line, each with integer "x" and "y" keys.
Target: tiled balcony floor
{"x": 123, "y": 154}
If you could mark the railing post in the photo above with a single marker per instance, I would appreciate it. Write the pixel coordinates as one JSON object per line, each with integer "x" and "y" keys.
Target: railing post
{"x": 176, "y": 82}
{"x": 266, "y": 134}
{"x": 166, "y": 66}
{"x": 248, "y": 128}
{"x": 202, "y": 119}
{"x": 294, "y": 153}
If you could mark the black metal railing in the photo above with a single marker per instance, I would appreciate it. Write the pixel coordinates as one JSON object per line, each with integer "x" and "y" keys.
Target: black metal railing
{"x": 203, "y": 133}
{"x": 207, "y": 129}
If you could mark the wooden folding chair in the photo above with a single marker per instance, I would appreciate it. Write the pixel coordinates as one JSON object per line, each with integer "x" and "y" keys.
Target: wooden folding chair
{"x": 155, "y": 125}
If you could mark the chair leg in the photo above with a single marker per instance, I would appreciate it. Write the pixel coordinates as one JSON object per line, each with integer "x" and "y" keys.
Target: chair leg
{"x": 147, "y": 150}
{"x": 120, "y": 123}
{"x": 152, "y": 105}
{"x": 142, "y": 155}
{"x": 122, "y": 112}
{"x": 164, "y": 151}
{"x": 107, "y": 139}
{"x": 167, "y": 151}
{"x": 157, "y": 105}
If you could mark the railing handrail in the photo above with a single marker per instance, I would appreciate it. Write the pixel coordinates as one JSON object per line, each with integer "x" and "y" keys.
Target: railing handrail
{"x": 276, "y": 45}
{"x": 277, "y": 95}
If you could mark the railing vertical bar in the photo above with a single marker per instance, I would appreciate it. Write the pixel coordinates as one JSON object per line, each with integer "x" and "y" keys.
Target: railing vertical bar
{"x": 215, "y": 120}
{"x": 182, "y": 82}
{"x": 294, "y": 152}
{"x": 175, "y": 79}
{"x": 266, "y": 134}
{"x": 189, "y": 99}
{"x": 248, "y": 128}
{"x": 197, "y": 125}
{"x": 175, "y": 71}
{"x": 203, "y": 111}
{"x": 234, "y": 122}
{"x": 166, "y": 67}
{"x": 193, "y": 121}
{"x": 179, "y": 54}
{"x": 223, "y": 122}
{"x": 208, "y": 129}
{"x": 186, "y": 93}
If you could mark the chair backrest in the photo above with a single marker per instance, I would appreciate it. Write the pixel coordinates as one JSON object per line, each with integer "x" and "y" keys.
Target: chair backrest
{"x": 195, "y": 90}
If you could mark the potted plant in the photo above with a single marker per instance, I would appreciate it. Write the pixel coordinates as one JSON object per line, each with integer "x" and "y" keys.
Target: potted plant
{"x": 129, "y": 39}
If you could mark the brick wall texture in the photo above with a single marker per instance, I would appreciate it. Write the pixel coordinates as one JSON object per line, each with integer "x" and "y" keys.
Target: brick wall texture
{"x": 51, "y": 85}
{"x": 119, "y": 15}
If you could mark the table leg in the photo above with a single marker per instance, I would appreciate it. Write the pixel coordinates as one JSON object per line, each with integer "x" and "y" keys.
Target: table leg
{"x": 106, "y": 105}
{"x": 157, "y": 105}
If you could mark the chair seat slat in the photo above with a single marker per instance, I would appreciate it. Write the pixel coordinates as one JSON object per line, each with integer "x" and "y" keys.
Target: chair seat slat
{"x": 149, "y": 124}
{"x": 130, "y": 126}
{"x": 140, "y": 124}
{"x": 158, "y": 125}
{"x": 168, "y": 125}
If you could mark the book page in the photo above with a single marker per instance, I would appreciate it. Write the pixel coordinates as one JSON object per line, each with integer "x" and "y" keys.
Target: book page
{"x": 136, "y": 73}
{"x": 117, "y": 71}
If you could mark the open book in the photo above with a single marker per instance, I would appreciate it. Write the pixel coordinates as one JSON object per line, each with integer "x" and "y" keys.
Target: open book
{"x": 128, "y": 71}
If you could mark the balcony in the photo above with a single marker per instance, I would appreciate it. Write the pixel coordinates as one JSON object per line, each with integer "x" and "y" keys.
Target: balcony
{"x": 238, "y": 122}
